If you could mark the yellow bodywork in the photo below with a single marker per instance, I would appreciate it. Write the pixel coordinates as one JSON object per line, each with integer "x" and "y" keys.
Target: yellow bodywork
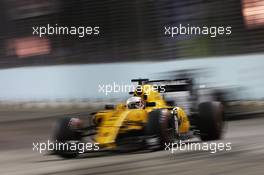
{"x": 121, "y": 119}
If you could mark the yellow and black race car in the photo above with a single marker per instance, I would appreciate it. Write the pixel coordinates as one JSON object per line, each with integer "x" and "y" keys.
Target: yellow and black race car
{"x": 146, "y": 121}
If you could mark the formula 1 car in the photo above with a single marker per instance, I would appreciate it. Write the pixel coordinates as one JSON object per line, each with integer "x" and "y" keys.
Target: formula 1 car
{"x": 146, "y": 121}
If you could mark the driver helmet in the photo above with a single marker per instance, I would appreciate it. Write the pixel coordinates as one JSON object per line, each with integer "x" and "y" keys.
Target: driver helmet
{"x": 135, "y": 103}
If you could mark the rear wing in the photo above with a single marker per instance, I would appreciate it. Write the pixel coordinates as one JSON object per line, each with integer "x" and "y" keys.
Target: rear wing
{"x": 176, "y": 85}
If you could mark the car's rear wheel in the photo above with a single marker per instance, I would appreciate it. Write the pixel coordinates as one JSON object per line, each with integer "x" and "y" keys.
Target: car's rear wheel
{"x": 211, "y": 121}
{"x": 159, "y": 130}
{"x": 65, "y": 135}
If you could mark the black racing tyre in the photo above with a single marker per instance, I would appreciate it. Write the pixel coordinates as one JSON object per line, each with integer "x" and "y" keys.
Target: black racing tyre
{"x": 159, "y": 129}
{"x": 211, "y": 121}
{"x": 64, "y": 135}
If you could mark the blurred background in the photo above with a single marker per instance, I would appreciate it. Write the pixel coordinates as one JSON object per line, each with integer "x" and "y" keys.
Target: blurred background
{"x": 45, "y": 78}
{"x": 130, "y": 30}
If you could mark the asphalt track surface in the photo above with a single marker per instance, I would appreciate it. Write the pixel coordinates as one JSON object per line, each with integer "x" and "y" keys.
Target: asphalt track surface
{"x": 18, "y": 158}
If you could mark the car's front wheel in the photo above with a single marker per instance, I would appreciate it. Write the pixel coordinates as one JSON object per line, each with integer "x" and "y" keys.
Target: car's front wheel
{"x": 160, "y": 129}
{"x": 66, "y": 136}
